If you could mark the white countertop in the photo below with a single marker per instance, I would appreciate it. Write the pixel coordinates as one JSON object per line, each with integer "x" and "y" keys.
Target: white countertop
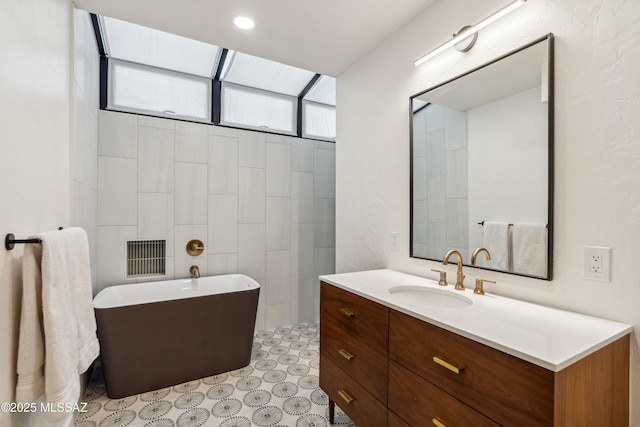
{"x": 548, "y": 337}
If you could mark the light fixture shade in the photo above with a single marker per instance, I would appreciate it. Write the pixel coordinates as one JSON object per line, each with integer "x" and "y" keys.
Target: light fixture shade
{"x": 474, "y": 29}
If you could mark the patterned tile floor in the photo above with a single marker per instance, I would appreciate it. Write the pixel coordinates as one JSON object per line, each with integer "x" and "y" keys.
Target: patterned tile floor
{"x": 279, "y": 388}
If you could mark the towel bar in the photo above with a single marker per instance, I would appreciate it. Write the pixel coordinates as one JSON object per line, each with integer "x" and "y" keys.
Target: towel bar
{"x": 10, "y": 240}
{"x": 510, "y": 225}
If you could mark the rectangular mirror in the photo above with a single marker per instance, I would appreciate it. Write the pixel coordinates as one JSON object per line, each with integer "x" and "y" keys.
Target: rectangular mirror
{"x": 482, "y": 164}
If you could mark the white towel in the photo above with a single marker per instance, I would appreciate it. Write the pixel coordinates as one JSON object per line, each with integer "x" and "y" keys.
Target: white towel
{"x": 58, "y": 338}
{"x": 530, "y": 249}
{"x": 496, "y": 240}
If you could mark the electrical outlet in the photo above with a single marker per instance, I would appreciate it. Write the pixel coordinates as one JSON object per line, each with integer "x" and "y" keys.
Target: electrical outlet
{"x": 597, "y": 263}
{"x": 395, "y": 236}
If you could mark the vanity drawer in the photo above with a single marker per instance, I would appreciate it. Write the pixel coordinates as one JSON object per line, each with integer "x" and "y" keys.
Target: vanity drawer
{"x": 363, "y": 409}
{"x": 420, "y": 403}
{"x": 367, "y": 367}
{"x": 509, "y": 390}
{"x": 365, "y": 320}
{"x": 396, "y": 421}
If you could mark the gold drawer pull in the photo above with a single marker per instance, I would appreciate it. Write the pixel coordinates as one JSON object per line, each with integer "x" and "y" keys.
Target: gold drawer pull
{"x": 347, "y": 312}
{"x": 438, "y": 422}
{"x": 449, "y": 366}
{"x": 344, "y": 353}
{"x": 343, "y": 394}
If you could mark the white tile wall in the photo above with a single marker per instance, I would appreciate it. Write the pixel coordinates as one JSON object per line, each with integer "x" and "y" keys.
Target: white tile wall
{"x": 155, "y": 159}
{"x": 223, "y": 225}
{"x": 191, "y": 193}
{"x": 278, "y": 174}
{"x": 223, "y": 165}
{"x": 117, "y": 197}
{"x": 264, "y": 205}
{"x": 252, "y": 196}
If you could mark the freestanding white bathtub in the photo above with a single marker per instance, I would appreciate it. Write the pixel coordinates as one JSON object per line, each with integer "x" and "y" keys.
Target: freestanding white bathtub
{"x": 157, "y": 334}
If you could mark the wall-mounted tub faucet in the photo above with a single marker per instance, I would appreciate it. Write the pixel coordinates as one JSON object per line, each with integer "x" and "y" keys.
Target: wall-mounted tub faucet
{"x": 195, "y": 271}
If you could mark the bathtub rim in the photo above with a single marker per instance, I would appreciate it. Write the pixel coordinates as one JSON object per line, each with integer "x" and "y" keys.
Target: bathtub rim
{"x": 130, "y": 294}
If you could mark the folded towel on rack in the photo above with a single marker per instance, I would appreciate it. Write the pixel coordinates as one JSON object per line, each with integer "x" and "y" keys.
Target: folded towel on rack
{"x": 530, "y": 249}
{"x": 58, "y": 338}
{"x": 496, "y": 240}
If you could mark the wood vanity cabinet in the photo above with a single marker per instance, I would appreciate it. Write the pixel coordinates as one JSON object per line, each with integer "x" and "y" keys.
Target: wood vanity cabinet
{"x": 408, "y": 372}
{"x": 354, "y": 355}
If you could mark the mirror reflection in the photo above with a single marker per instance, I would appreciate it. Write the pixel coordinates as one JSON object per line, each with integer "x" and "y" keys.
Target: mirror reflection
{"x": 481, "y": 156}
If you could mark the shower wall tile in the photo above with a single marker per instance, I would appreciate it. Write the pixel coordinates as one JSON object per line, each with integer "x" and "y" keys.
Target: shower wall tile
{"x": 302, "y": 249}
{"x": 252, "y": 195}
{"x": 278, "y": 219}
{"x": 457, "y": 223}
{"x": 183, "y": 261}
{"x": 437, "y": 235}
{"x": 301, "y": 156}
{"x": 457, "y": 173}
{"x": 222, "y": 264}
{"x": 251, "y": 250}
{"x": 155, "y": 160}
{"x": 278, "y": 277}
{"x": 301, "y": 197}
{"x": 325, "y": 263}
{"x": 419, "y": 178}
{"x": 435, "y": 117}
{"x": 325, "y": 182}
{"x": 223, "y": 165}
{"x": 112, "y": 242}
{"x": 156, "y": 218}
{"x": 191, "y": 142}
{"x": 252, "y": 149}
{"x": 191, "y": 193}
{"x": 278, "y": 165}
{"x": 223, "y": 224}
{"x": 156, "y": 122}
{"x": 117, "y": 134}
{"x": 261, "y": 203}
{"x": 325, "y": 223}
{"x": 117, "y": 198}
{"x": 456, "y": 125}
{"x": 222, "y": 131}
{"x": 436, "y": 199}
{"x": 278, "y": 315}
{"x": 420, "y": 222}
{"x": 305, "y": 297}
{"x": 435, "y": 153}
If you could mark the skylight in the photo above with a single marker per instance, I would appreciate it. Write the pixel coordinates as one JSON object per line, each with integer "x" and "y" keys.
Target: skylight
{"x": 260, "y": 73}
{"x": 143, "y": 45}
{"x": 151, "y": 72}
{"x": 323, "y": 92}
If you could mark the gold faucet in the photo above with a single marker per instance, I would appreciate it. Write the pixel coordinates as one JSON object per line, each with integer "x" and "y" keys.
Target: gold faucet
{"x": 477, "y": 252}
{"x": 195, "y": 271}
{"x": 460, "y": 278}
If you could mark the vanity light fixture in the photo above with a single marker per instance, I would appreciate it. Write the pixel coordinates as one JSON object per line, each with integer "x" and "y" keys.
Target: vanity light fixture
{"x": 243, "y": 22}
{"x": 470, "y": 31}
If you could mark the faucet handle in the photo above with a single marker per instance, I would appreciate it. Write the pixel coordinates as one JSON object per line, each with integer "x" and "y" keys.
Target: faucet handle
{"x": 479, "y": 289}
{"x": 443, "y": 277}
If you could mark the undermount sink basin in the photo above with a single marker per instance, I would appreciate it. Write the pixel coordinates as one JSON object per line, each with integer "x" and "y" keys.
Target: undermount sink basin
{"x": 423, "y": 296}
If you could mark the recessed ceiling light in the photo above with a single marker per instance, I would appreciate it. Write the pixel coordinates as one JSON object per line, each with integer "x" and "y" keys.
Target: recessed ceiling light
{"x": 243, "y": 22}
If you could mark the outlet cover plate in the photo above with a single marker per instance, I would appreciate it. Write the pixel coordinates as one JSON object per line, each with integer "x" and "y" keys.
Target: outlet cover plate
{"x": 597, "y": 263}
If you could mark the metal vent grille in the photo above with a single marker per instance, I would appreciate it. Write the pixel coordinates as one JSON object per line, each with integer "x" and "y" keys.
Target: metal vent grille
{"x": 146, "y": 258}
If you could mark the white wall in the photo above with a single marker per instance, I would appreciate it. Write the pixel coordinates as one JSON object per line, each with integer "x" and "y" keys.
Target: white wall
{"x": 597, "y": 147}
{"x": 35, "y": 94}
{"x": 262, "y": 204}
{"x": 507, "y": 162}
